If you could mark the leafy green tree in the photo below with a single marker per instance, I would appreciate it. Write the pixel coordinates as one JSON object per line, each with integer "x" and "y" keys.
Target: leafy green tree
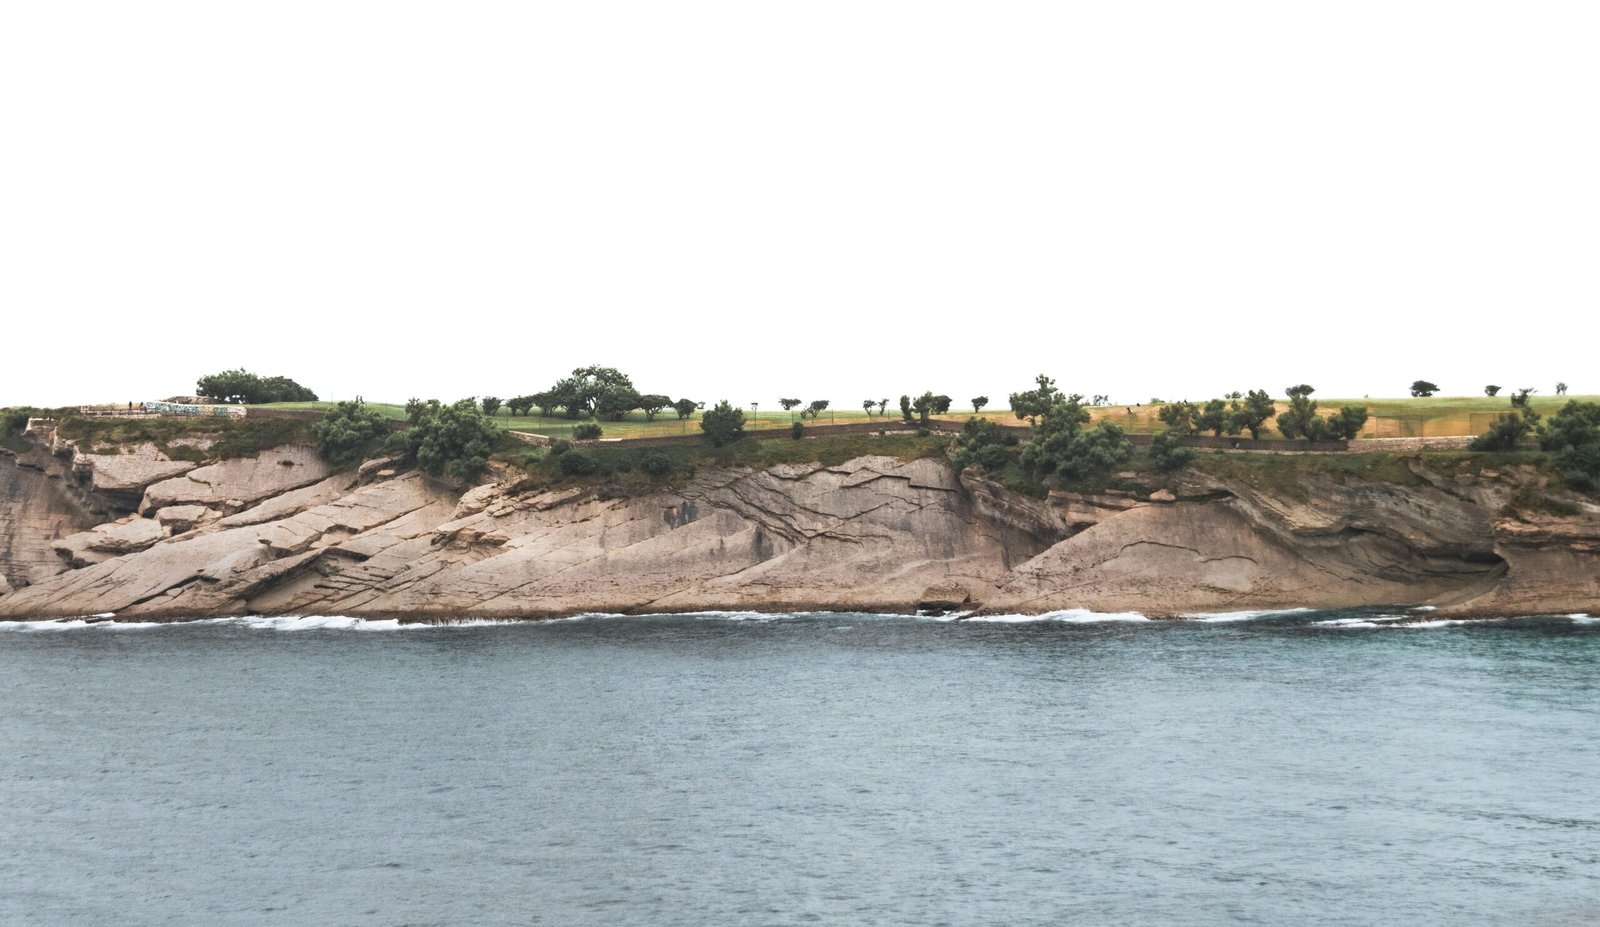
{"x": 685, "y": 408}
{"x": 923, "y": 405}
{"x": 867, "y": 406}
{"x": 1167, "y": 454}
{"x": 940, "y": 404}
{"x": 1561, "y": 389}
{"x": 548, "y": 402}
{"x": 1216, "y": 419}
{"x": 587, "y": 431}
{"x": 1573, "y": 435}
{"x": 520, "y": 405}
{"x": 788, "y": 404}
{"x": 1491, "y": 390}
{"x": 905, "y": 408}
{"x": 1506, "y": 432}
{"x": 1031, "y": 405}
{"x": 491, "y": 404}
{"x": 978, "y": 402}
{"x": 1519, "y": 399}
{"x": 1062, "y": 444}
{"x": 1422, "y": 389}
{"x": 722, "y": 424}
{"x": 1301, "y": 420}
{"x": 243, "y": 387}
{"x": 816, "y": 406}
{"x": 349, "y": 433}
{"x": 1181, "y": 418}
{"x": 652, "y": 404}
{"x": 1347, "y": 422}
{"x": 454, "y": 439}
{"x": 883, "y": 404}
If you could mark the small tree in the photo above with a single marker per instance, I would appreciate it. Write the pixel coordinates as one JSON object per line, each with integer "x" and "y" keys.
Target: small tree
{"x": 981, "y": 444}
{"x": 519, "y": 405}
{"x": 547, "y": 401}
{"x": 722, "y": 424}
{"x": 816, "y": 406}
{"x": 978, "y": 402}
{"x": 1300, "y": 420}
{"x": 685, "y": 408}
{"x": 1031, "y": 405}
{"x": 1491, "y": 390}
{"x": 941, "y": 404}
{"x": 652, "y": 404}
{"x": 905, "y": 408}
{"x": 883, "y": 405}
{"x": 788, "y": 404}
{"x": 491, "y": 405}
{"x": 867, "y": 406}
{"x": 1215, "y": 418}
{"x": 1506, "y": 432}
{"x": 1421, "y": 389}
{"x": 1561, "y": 389}
{"x": 1253, "y": 414}
{"x": 1348, "y": 422}
{"x": 923, "y": 406}
{"x": 1180, "y": 418}
{"x": 1519, "y": 399}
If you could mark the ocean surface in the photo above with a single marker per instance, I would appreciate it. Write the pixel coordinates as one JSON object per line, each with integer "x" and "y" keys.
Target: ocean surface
{"x": 1281, "y": 768}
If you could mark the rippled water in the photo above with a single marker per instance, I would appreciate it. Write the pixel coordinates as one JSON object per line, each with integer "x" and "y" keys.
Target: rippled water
{"x": 1278, "y": 768}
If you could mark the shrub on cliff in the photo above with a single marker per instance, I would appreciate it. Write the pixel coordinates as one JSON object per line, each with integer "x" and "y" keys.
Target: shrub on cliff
{"x": 12, "y": 421}
{"x": 577, "y": 463}
{"x": 981, "y": 444}
{"x": 348, "y": 433}
{"x": 1506, "y": 432}
{"x": 1573, "y": 434}
{"x": 656, "y": 464}
{"x": 1063, "y": 444}
{"x": 1167, "y": 454}
{"x": 587, "y": 431}
{"x": 454, "y": 439}
{"x": 722, "y": 424}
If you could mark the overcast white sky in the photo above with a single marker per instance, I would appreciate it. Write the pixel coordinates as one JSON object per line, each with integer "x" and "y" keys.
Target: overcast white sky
{"x": 821, "y": 199}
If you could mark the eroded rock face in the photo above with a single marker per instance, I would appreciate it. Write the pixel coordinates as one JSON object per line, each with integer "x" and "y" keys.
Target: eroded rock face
{"x": 37, "y": 508}
{"x": 236, "y": 484}
{"x": 874, "y": 533}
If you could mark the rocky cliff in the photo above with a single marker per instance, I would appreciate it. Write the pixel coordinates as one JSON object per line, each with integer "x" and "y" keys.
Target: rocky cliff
{"x": 141, "y": 536}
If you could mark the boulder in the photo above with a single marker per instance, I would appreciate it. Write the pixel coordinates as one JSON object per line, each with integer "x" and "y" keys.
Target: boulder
{"x": 1163, "y": 495}
{"x": 180, "y": 518}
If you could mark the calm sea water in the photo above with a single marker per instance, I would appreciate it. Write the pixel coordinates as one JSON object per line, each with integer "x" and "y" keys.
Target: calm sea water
{"x": 1303, "y": 768}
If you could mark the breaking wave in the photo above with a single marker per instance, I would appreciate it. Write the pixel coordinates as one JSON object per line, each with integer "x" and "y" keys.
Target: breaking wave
{"x": 1214, "y": 617}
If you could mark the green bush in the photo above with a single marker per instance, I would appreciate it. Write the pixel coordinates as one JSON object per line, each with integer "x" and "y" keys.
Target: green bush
{"x": 12, "y": 421}
{"x": 560, "y": 446}
{"x": 1167, "y": 454}
{"x": 797, "y": 430}
{"x": 348, "y": 433}
{"x": 587, "y": 431}
{"x": 577, "y": 463}
{"x": 657, "y": 464}
{"x": 722, "y": 424}
{"x": 1573, "y": 434}
{"x": 453, "y": 439}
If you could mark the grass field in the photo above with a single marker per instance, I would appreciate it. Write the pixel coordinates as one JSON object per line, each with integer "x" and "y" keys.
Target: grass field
{"x": 1436, "y": 416}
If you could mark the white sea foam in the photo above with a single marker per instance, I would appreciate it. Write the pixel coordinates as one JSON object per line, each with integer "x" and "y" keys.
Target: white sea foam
{"x": 1067, "y": 616}
{"x": 1371, "y": 621}
{"x": 73, "y": 624}
{"x": 1245, "y": 615}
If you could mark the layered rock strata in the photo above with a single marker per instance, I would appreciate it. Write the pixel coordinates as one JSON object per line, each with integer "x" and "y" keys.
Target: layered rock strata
{"x": 281, "y": 535}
